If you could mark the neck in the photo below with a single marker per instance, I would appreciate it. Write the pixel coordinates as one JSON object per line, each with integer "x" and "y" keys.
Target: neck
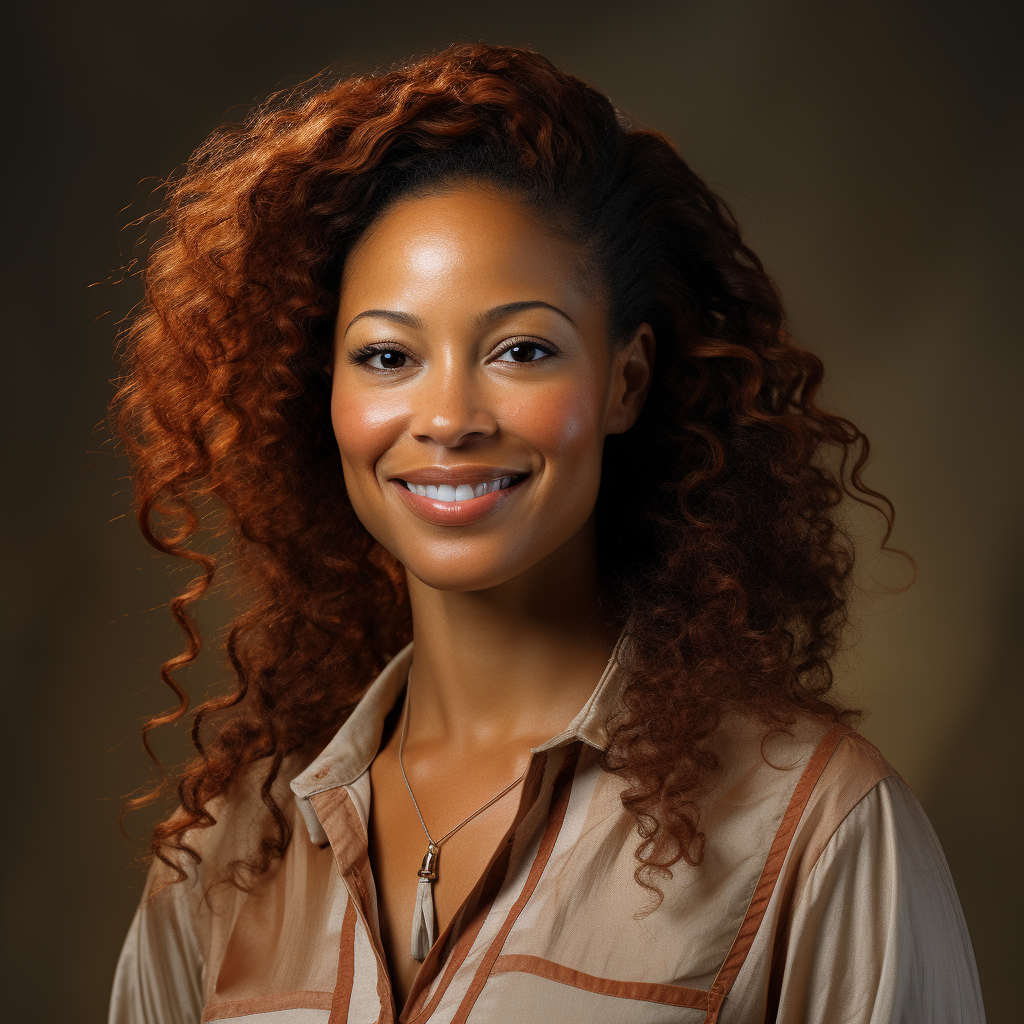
{"x": 515, "y": 662}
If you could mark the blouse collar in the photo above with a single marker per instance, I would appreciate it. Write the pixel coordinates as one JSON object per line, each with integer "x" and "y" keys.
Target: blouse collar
{"x": 354, "y": 746}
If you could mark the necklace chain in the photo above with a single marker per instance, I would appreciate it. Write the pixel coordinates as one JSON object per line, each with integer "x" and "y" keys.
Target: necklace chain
{"x": 479, "y": 810}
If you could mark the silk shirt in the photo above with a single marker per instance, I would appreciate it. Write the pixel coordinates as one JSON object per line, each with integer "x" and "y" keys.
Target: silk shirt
{"x": 823, "y": 896}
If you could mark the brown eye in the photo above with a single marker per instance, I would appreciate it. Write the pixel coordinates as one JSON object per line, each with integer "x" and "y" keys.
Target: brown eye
{"x": 391, "y": 360}
{"x": 382, "y": 358}
{"x": 524, "y": 352}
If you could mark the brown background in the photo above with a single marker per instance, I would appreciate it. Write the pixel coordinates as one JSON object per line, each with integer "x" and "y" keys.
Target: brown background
{"x": 872, "y": 151}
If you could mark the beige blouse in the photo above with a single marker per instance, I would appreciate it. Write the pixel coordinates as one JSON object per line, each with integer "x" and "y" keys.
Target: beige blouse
{"x": 823, "y": 896}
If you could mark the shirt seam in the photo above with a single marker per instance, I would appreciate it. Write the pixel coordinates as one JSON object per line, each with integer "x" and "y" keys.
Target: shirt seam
{"x": 797, "y": 903}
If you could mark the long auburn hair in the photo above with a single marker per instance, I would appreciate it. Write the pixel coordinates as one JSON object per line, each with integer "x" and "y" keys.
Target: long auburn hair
{"x": 718, "y": 523}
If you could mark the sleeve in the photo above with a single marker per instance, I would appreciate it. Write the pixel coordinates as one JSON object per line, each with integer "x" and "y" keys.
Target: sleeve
{"x": 878, "y": 935}
{"x": 159, "y": 975}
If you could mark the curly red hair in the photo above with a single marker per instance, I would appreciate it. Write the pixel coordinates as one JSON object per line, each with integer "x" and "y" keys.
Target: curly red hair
{"x": 717, "y": 517}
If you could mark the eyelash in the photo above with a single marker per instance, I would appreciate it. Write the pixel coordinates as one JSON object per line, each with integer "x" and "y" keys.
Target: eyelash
{"x": 366, "y": 352}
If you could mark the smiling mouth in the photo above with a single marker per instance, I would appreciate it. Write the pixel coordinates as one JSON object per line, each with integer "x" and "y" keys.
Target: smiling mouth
{"x": 452, "y": 494}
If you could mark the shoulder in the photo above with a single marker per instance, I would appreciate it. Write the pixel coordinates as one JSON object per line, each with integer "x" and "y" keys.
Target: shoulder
{"x": 809, "y": 762}
{"x": 866, "y": 880}
{"x": 183, "y": 924}
{"x": 851, "y": 814}
{"x": 784, "y": 790}
{"x": 838, "y": 863}
{"x": 815, "y": 787}
{"x": 241, "y": 819}
{"x": 845, "y": 772}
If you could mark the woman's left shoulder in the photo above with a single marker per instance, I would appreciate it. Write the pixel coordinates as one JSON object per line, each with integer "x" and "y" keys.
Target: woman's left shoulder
{"x": 853, "y": 873}
{"x": 792, "y": 785}
{"x": 842, "y": 769}
{"x": 831, "y": 770}
{"x": 865, "y": 881}
{"x": 807, "y": 761}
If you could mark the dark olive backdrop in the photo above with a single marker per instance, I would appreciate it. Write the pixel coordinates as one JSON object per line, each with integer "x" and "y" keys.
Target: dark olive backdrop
{"x": 872, "y": 151}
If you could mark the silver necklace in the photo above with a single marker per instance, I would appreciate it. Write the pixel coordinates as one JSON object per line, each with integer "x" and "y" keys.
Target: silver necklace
{"x": 423, "y": 916}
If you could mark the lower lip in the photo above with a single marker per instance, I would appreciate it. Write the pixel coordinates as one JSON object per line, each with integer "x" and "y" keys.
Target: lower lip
{"x": 454, "y": 513}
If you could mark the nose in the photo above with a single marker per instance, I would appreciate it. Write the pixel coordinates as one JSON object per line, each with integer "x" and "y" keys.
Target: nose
{"x": 451, "y": 409}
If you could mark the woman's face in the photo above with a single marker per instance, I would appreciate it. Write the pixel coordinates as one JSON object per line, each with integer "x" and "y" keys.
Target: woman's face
{"x": 473, "y": 387}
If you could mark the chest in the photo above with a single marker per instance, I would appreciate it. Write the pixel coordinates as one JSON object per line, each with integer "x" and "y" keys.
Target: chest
{"x": 540, "y": 916}
{"x": 397, "y": 843}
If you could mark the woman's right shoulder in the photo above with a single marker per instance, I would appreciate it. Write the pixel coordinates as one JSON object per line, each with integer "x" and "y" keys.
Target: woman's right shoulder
{"x": 241, "y": 819}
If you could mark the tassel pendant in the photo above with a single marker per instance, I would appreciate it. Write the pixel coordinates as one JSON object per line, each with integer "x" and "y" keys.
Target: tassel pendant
{"x": 423, "y": 919}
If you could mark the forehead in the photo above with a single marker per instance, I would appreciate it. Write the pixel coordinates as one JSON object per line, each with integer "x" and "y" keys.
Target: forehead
{"x": 468, "y": 243}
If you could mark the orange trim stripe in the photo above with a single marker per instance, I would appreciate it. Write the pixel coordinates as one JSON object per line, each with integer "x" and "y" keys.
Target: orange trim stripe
{"x": 264, "y": 1004}
{"x": 673, "y": 995}
{"x": 455, "y": 961}
{"x": 346, "y": 967}
{"x": 493, "y": 880}
{"x": 341, "y": 822}
{"x": 563, "y": 790}
{"x": 773, "y": 865}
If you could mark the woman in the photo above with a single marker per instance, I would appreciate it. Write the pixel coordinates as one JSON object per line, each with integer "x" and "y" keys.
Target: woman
{"x": 534, "y": 518}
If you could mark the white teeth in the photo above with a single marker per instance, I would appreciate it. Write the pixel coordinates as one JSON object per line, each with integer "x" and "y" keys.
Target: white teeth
{"x": 463, "y": 492}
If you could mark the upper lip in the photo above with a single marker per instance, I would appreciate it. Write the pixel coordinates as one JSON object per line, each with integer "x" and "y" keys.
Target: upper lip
{"x": 456, "y": 475}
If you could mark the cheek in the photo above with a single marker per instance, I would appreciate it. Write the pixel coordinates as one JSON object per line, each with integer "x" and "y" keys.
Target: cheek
{"x": 562, "y": 421}
{"x": 363, "y": 427}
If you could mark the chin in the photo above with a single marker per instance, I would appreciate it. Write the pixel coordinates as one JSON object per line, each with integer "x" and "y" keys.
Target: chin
{"x": 461, "y": 567}
{"x": 460, "y": 575}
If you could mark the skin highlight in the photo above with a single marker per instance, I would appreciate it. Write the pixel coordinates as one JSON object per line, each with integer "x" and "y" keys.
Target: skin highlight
{"x": 509, "y": 628}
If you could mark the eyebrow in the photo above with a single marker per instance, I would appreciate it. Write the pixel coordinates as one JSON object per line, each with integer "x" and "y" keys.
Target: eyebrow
{"x": 486, "y": 319}
{"x": 396, "y": 316}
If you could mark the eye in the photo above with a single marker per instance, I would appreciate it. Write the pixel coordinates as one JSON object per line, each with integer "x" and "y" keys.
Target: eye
{"x": 380, "y": 358}
{"x": 389, "y": 359}
{"x": 525, "y": 351}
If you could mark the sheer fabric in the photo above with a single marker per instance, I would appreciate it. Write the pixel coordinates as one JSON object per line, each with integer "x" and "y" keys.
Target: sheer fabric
{"x": 823, "y": 896}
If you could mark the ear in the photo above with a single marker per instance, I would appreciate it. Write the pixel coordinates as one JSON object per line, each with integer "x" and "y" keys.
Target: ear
{"x": 630, "y": 380}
